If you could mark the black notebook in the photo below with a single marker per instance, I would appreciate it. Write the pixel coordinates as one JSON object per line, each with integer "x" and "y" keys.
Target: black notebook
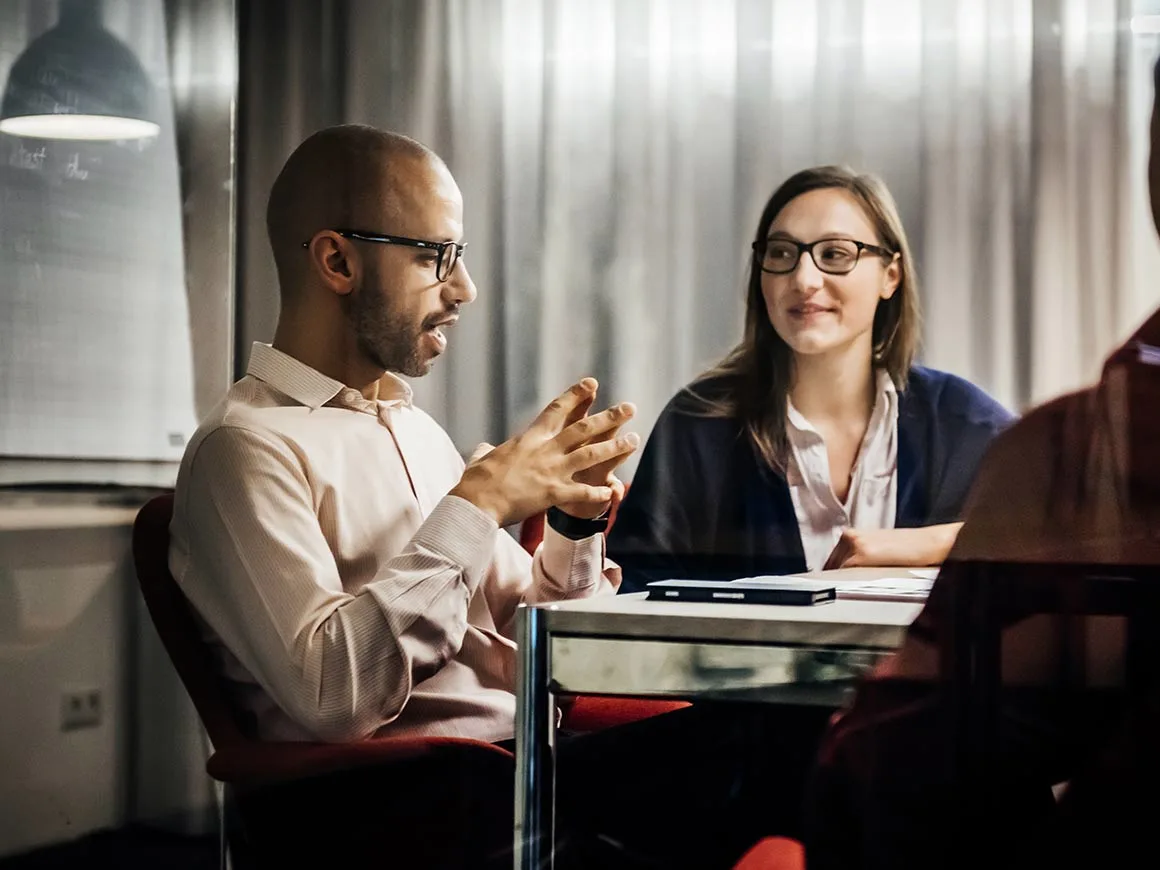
{"x": 771, "y": 590}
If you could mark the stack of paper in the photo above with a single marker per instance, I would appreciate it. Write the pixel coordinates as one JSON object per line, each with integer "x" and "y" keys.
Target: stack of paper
{"x": 911, "y": 586}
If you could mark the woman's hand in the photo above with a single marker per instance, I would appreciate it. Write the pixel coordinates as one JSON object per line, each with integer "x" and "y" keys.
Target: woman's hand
{"x": 894, "y": 548}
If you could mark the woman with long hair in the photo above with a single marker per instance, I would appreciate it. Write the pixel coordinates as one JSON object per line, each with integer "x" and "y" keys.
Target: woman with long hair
{"x": 817, "y": 442}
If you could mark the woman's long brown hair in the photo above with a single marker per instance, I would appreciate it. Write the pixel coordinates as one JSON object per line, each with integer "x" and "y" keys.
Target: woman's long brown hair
{"x": 752, "y": 383}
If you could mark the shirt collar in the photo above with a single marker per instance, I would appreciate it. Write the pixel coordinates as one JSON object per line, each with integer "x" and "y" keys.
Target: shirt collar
{"x": 310, "y": 387}
{"x": 393, "y": 390}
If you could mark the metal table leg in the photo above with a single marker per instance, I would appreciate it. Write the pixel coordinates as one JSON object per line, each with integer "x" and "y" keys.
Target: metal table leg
{"x": 535, "y": 745}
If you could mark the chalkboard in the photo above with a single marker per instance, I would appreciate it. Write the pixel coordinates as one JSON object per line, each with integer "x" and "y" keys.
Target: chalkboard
{"x": 95, "y": 357}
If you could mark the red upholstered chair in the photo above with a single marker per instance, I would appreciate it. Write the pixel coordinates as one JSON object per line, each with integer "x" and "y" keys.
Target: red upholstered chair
{"x": 247, "y": 766}
{"x": 532, "y": 533}
{"x": 774, "y": 853}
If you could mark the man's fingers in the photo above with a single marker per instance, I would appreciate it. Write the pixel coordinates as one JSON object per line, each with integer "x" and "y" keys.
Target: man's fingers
{"x": 582, "y": 494}
{"x": 580, "y": 412}
{"x": 598, "y": 427}
{"x": 554, "y": 417}
{"x": 604, "y": 470}
{"x": 603, "y": 452}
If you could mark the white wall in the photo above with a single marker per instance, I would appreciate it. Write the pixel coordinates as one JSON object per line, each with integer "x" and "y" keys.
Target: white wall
{"x": 71, "y": 618}
{"x": 59, "y": 784}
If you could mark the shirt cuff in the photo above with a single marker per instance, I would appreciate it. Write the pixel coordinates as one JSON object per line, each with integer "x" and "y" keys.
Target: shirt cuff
{"x": 572, "y": 567}
{"x": 461, "y": 532}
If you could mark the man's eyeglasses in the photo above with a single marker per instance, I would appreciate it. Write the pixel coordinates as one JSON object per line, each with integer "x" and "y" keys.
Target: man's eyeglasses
{"x": 832, "y": 256}
{"x": 448, "y": 252}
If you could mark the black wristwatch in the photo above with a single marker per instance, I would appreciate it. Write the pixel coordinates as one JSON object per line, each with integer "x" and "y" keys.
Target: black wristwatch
{"x": 574, "y": 528}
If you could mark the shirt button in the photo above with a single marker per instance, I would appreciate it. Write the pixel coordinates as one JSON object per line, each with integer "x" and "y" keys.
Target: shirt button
{"x": 351, "y": 396}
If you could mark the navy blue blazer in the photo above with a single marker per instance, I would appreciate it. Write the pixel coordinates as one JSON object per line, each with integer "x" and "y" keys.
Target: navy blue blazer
{"x": 703, "y": 505}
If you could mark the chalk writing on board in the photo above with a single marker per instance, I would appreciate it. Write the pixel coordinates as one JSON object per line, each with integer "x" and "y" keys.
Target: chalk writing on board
{"x": 73, "y": 169}
{"x": 22, "y": 158}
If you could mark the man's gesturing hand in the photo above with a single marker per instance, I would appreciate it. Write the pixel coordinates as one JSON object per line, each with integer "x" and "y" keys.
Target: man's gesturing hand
{"x": 581, "y": 428}
{"x": 564, "y": 458}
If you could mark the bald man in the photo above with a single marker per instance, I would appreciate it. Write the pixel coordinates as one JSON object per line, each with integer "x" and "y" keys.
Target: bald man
{"x": 350, "y": 572}
{"x": 1074, "y": 481}
{"x": 345, "y": 562}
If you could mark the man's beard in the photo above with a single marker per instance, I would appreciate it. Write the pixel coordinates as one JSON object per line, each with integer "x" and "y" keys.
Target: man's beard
{"x": 386, "y": 335}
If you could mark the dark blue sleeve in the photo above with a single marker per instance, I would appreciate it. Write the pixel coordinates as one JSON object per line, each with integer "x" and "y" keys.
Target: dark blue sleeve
{"x": 658, "y": 518}
{"x": 967, "y": 423}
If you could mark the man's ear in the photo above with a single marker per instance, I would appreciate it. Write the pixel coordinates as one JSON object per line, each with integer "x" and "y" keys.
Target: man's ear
{"x": 892, "y": 277}
{"x": 335, "y": 262}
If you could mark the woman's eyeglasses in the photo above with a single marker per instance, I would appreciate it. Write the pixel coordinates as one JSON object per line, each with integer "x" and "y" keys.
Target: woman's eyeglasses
{"x": 832, "y": 256}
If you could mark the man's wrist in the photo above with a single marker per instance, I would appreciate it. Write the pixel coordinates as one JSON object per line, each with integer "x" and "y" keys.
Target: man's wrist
{"x": 479, "y": 497}
{"x": 575, "y": 528}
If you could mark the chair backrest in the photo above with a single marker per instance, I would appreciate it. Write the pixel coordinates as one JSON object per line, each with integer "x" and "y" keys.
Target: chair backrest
{"x": 532, "y": 533}
{"x": 175, "y": 623}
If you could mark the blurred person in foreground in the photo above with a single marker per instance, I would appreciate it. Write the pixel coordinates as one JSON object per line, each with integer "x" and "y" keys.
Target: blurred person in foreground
{"x": 1075, "y": 481}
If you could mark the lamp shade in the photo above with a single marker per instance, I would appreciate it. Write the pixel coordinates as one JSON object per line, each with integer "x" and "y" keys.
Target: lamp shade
{"x": 78, "y": 81}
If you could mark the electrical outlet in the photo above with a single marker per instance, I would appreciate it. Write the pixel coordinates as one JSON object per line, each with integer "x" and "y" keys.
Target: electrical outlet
{"x": 80, "y": 708}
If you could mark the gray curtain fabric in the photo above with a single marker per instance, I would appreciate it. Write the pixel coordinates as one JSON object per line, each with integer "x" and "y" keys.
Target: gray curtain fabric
{"x": 615, "y": 154}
